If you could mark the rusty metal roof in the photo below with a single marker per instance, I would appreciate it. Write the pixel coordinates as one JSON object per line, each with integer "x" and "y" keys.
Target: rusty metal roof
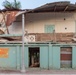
{"x": 62, "y": 6}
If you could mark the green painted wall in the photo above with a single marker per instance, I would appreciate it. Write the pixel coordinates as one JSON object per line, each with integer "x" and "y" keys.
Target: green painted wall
{"x": 56, "y": 57}
{"x": 26, "y": 57}
{"x": 49, "y": 56}
{"x": 9, "y": 62}
{"x": 74, "y": 57}
{"x": 18, "y": 59}
{"x": 44, "y": 57}
{"x": 26, "y": 54}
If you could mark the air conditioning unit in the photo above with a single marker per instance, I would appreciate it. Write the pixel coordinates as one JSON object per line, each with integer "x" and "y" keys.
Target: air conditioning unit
{"x": 29, "y": 38}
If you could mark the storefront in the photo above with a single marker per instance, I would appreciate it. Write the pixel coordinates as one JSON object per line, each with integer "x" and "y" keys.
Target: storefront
{"x": 38, "y": 55}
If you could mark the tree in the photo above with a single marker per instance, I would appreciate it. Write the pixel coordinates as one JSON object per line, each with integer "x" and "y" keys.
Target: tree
{"x": 16, "y": 5}
{"x": 12, "y": 5}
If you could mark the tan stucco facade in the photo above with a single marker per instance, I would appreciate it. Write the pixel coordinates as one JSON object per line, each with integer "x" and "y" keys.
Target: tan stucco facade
{"x": 35, "y": 22}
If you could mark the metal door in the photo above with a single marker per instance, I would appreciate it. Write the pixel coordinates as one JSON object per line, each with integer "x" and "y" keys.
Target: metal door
{"x": 66, "y": 57}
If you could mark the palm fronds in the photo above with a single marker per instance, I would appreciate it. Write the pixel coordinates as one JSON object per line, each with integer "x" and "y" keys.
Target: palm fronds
{"x": 12, "y": 5}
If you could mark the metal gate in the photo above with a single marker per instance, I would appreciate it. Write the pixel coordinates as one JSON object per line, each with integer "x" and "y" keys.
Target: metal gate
{"x": 66, "y": 57}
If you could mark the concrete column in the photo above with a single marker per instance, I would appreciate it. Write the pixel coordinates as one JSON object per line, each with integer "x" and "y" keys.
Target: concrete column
{"x": 22, "y": 51}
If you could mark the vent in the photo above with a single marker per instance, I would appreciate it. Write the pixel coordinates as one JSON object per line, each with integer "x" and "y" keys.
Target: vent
{"x": 30, "y": 38}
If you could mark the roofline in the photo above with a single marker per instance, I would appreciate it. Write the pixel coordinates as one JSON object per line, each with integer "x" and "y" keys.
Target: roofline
{"x": 54, "y": 3}
{"x": 5, "y": 10}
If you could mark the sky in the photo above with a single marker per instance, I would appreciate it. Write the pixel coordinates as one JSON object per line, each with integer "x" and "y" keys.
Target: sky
{"x": 31, "y": 4}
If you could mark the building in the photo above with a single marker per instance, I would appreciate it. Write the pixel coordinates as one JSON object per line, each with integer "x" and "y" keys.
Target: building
{"x": 50, "y": 22}
{"x": 51, "y": 30}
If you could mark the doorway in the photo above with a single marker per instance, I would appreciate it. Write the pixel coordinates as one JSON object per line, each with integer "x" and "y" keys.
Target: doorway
{"x": 66, "y": 57}
{"x": 34, "y": 57}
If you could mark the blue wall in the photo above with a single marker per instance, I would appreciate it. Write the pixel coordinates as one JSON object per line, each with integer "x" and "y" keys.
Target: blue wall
{"x": 74, "y": 57}
{"x": 44, "y": 57}
{"x": 49, "y": 56}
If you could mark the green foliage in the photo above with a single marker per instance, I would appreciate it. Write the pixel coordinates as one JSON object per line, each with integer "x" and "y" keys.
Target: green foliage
{"x": 12, "y": 5}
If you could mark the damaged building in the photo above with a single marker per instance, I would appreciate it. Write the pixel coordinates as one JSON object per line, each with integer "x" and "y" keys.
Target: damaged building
{"x": 50, "y": 37}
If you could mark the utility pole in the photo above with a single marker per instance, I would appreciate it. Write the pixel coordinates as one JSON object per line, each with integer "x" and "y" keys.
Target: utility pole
{"x": 22, "y": 51}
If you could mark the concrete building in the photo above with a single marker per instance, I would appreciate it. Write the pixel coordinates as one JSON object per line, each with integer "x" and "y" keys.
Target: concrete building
{"x": 51, "y": 31}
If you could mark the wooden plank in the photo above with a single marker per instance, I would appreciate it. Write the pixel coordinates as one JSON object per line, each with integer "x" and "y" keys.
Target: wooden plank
{"x": 66, "y": 8}
{"x": 66, "y": 57}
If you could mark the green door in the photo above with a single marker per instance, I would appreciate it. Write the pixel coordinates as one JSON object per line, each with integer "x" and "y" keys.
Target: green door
{"x": 49, "y": 28}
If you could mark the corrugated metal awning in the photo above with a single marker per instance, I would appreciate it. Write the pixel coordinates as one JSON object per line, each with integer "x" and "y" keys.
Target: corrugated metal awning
{"x": 62, "y": 6}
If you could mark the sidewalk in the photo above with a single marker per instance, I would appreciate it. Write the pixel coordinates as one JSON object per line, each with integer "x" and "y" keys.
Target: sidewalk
{"x": 28, "y": 72}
